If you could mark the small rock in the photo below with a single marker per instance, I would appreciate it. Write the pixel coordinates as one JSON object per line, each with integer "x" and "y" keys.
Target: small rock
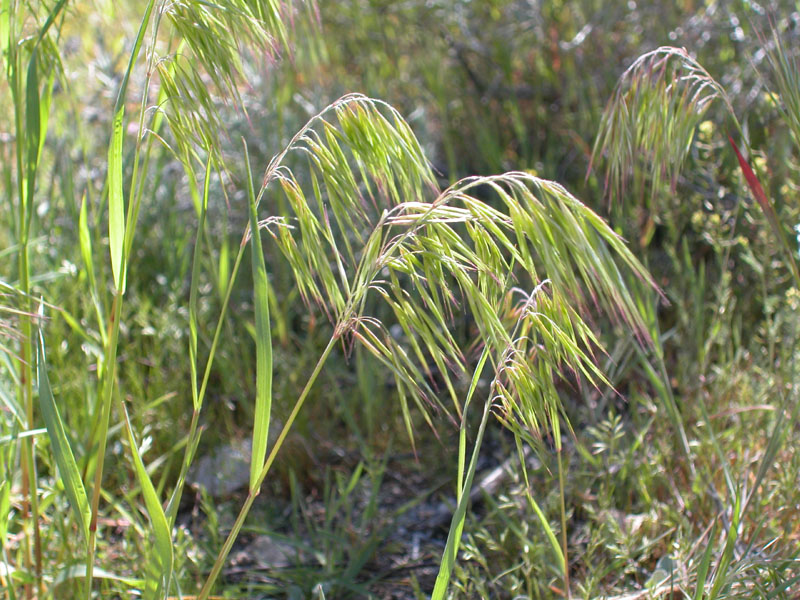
{"x": 225, "y": 470}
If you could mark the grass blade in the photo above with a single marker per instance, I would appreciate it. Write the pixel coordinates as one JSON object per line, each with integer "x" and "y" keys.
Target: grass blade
{"x": 702, "y": 569}
{"x": 752, "y": 182}
{"x": 32, "y": 126}
{"x": 195, "y": 282}
{"x": 766, "y": 206}
{"x": 548, "y": 530}
{"x": 721, "y": 574}
{"x": 85, "y": 239}
{"x": 116, "y": 204}
{"x": 459, "y": 517}
{"x": 36, "y": 114}
{"x": 5, "y": 509}
{"x": 161, "y": 533}
{"x": 263, "y": 340}
{"x": 65, "y": 460}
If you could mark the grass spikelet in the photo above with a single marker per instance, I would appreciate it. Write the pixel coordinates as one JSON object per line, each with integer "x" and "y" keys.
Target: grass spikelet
{"x": 648, "y": 125}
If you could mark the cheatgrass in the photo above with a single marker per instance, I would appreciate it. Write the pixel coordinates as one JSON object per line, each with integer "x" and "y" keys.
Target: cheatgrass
{"x": 648, "y": 131}
{"x": 370, "y": 239}
{"x": 471, "y": 305}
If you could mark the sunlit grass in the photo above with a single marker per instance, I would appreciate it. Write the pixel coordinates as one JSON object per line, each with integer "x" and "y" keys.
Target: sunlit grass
{"x": 329, "y": 271}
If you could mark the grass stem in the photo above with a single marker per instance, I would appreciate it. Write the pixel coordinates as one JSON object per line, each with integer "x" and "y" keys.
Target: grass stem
{"x": 563, "y": 521}
{"x": 254, "y": 491}
{"x": 108, "y": 393}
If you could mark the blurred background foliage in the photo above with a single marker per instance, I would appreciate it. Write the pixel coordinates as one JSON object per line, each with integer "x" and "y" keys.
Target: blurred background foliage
{"x": 487, "y": 86}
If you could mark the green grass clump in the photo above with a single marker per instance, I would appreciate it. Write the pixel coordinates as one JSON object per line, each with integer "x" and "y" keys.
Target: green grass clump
{"x": 163, "y": 301}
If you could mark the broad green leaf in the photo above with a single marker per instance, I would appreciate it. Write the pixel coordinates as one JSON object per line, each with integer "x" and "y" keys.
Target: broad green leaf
{"x": 161, "y": 532}
{"x": 263, "y": 340}
{"x": 65, "y": 460}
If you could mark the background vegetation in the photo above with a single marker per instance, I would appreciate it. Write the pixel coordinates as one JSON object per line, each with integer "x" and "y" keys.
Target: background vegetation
{"x": 677, "y": 477}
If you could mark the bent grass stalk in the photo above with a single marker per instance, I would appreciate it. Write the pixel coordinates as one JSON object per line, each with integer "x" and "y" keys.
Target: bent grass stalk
{"x": 427, "y": 236}
{"x": 362, "y": 201}
{"x": 429, "y": 252}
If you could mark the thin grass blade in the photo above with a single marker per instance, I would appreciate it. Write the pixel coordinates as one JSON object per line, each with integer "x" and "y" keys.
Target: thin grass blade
{"x": 5, "y": 508}
{"x": 85, "y": 240}
{"x": 459, "y": 517}
{"x": 462, "y": 437}
{"x": 752, "y": 181}
{"x": 158, "y": 520}
{"x": 195, "y": 282}
{"x": 36, "y": 114}
{"x": 548, "y": 530}
{"x": 263, "y": 340}
{"x": 116, "y": 203}
{"x": 721, "y": 573}
{"x": 766, "y": 206}
{"x": 62, "y": 451}
{"x": 702, "y": 569}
